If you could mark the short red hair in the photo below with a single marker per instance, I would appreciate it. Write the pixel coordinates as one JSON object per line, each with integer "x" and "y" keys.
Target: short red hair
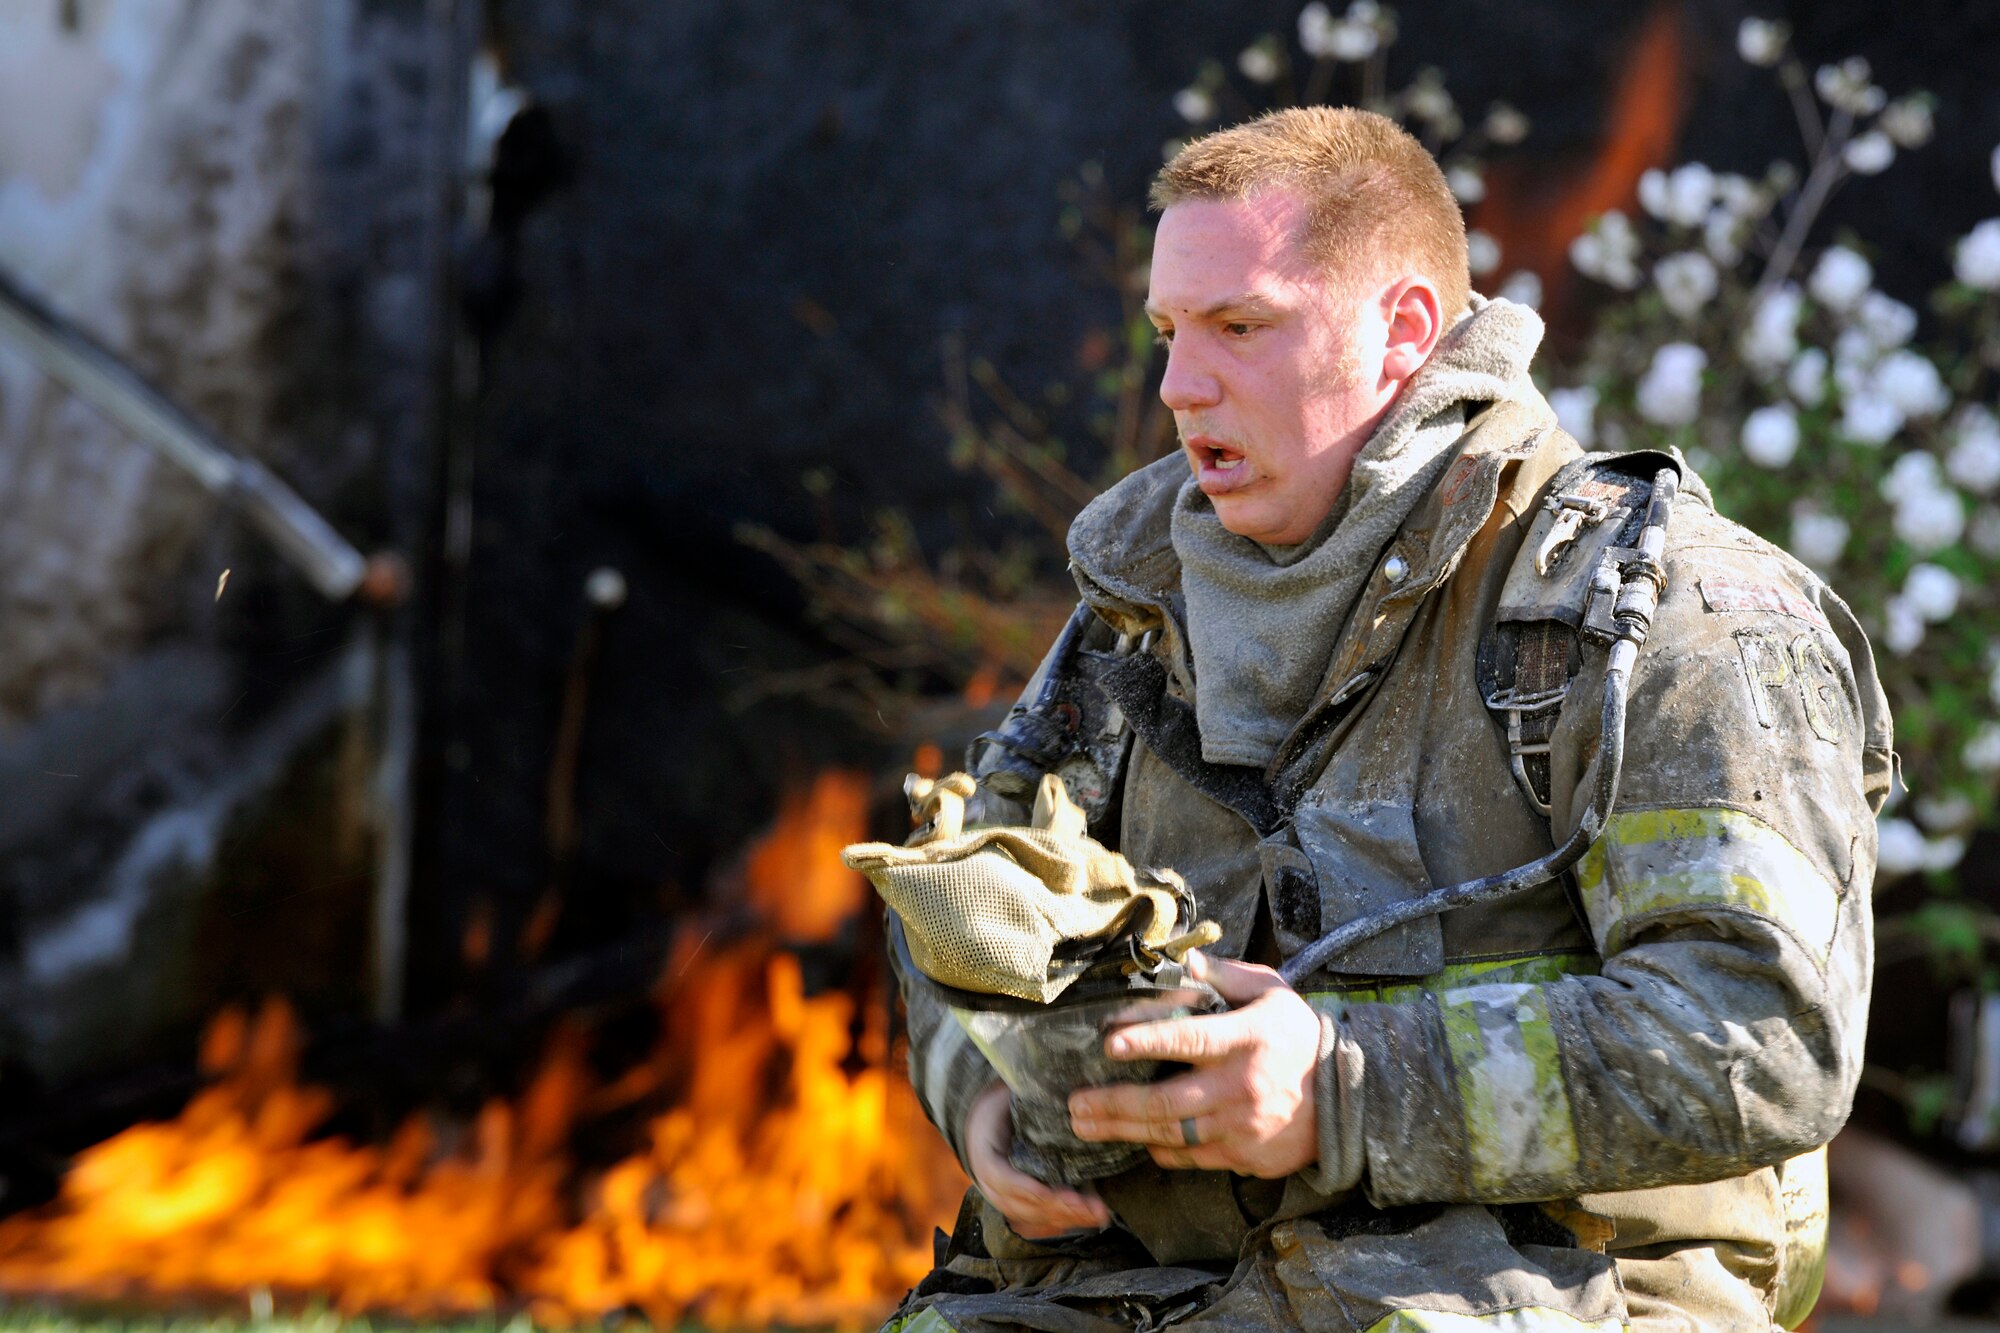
{"x": 1370, "y": 189}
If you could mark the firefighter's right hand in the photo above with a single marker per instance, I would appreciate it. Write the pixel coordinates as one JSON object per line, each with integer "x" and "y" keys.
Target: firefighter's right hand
{"x": 1036, "y": 1211}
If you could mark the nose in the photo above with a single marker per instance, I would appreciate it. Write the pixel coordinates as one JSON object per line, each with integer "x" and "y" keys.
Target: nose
{"x": 1188, "y": 384}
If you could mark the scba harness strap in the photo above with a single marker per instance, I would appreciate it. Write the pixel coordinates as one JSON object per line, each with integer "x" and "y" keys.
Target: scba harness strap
{"x": 1561, "y": 592}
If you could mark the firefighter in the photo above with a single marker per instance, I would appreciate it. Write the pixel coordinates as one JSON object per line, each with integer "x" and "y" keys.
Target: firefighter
{"x": 1347, "y": 646}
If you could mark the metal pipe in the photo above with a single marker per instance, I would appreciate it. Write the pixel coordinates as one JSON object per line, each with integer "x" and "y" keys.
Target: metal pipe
{"x": 71, "y": 357}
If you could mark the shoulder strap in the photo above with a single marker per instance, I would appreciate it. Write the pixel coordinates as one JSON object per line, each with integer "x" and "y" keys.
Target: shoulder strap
{"x": 1072, "y": 726}
{"x": 1555, "y": 597}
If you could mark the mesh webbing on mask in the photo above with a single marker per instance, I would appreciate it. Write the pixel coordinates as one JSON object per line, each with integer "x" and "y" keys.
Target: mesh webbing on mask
{"x": 1008, "y": 911}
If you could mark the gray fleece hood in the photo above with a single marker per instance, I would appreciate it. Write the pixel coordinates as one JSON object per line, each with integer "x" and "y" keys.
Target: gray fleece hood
{"x": 1255, "y": 624}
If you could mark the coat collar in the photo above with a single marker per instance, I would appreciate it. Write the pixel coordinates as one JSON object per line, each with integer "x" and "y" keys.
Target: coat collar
{"x": 1122, "y": 553}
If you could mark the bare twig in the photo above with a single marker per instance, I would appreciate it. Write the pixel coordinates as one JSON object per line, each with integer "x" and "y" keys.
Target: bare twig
{"x": 1829, "y": 169}
{"x": 1792, "y": 76}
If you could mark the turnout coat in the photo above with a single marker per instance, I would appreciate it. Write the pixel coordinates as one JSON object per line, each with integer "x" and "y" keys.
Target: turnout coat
{"x": 1597, "y": 1102}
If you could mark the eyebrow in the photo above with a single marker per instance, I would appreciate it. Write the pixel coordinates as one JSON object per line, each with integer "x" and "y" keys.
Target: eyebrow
{"x": 1243, "y": 303}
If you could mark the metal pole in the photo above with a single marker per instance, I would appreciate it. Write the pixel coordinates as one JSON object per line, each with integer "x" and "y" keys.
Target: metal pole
{"x": 71, "y": 357}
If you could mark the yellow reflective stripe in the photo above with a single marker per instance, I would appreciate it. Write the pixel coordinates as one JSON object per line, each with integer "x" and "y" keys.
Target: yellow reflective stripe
{"x": 923, "y": 1321}
{"x": 1536, "y": 970}
{"x": 1802, "y": 1186}
{"x": 1524, "y": 1319}
{"x": 1510, "y": 1083}
{"x": 1652, "y": 861}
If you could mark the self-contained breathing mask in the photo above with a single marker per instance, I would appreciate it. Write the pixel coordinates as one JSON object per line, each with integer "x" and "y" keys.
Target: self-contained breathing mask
{"x": 1042, "y": 942}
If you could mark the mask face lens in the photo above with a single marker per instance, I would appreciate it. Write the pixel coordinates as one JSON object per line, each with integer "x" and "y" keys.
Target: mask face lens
{"x": 1046, "y": 1053}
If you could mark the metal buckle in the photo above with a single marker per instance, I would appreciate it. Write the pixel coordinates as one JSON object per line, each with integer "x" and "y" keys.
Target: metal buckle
{"x": 1572, "y": 512}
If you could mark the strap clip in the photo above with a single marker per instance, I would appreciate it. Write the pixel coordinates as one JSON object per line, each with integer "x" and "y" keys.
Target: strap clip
{"x": 1572, "y": 512}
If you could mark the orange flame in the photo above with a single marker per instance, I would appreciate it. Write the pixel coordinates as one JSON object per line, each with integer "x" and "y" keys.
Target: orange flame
{"x": 792, "y": 1181}
{"x": 796, "y": 881}
{"x": 1534, "y": 214}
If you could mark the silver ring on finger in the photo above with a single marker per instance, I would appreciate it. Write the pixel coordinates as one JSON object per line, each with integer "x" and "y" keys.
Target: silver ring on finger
{"x": 1190, "y": 1136}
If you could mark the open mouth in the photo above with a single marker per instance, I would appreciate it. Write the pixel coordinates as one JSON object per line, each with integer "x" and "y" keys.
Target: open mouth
{"x": 1214, "y": 454}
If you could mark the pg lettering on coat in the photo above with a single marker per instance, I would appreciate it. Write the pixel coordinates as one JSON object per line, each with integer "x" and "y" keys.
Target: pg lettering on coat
{"x": 1654, "y": 863}
{"x": 1776, "y": 665}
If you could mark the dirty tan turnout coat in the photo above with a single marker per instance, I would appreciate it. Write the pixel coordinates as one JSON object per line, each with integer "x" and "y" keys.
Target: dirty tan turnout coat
{"x": 1518, "y": 1103}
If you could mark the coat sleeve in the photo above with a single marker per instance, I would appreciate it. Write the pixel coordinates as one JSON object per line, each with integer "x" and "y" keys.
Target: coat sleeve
{"x": 946, "y": 1069}
{"x": 1728, "y": 897}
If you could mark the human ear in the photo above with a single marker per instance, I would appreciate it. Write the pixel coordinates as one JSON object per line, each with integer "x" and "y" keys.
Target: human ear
{"x": 1416, "y": 322}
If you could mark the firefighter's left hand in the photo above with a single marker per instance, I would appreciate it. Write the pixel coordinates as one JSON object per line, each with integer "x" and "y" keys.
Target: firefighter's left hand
{"x": 1249, "y": 1095}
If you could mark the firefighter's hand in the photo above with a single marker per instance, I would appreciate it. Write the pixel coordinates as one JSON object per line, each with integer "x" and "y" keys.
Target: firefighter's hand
{"x": 1036, "y": 1211}
{"x": 1249, "y": 1097}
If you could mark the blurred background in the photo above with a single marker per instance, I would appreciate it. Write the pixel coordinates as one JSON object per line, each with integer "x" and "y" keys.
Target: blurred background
{"x": 494, "y": 495}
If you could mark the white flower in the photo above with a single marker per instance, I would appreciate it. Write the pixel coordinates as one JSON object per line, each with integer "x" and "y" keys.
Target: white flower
{"x": 1908, "y": 120}
{"x": 1806, "y": 380}
{"x": 1930, "y": 520}
{"x": 1523, "y": 287}
{"x": 1194, "y": 105}
{"x": 1429, "y": 101}
{"x": 1258, "y": 63}
{"x": 1984, "y": 536}
{"x": 1722, "y": 235}
{"x": 1929, "y": 514}
{"x": 1870, "y": 419}
{"x": 1902, "y": 627}
{"x": 1738, "y": 194}
{"x": 1854, "y": 356}
{"x": 1974, "y": 460}
{"x": 1899, "y": 848}
{"x": 1653, "y": 192}
{"x": 1505, "y": 125}
{"x": 1681, "y": 197}
{"x": 1316, "y": 29}
{"x": 1687, "y": 282}
{"x": 1482, "y": 253}
{"x": 1944, "y": 853}
{"x": 1950, "y": 811}
{"x": 1352, "y": 41}
{"x": 1982, "y": 752}
{"x": 1761, "y": 41}
{"x": 1669, "y": 394}
{"x": 1912, "y": 383}
{"x": 1932, "y": 590}
{"x": 1817, "y": 538}
{"x": 1576, "y": 412}
{"x": 1846, "y": 87}
{"x": 1910, "y": 474}
{"x": 1840, "y": 278}
{"x": 1467, "y": 185}
{"x": 1771, "y": 436}
{"x": 1887, "y": 322}
{"x": 1771, "y": 338}
{"x": 1977, "y": 258}
{"x": 1993, "y": 682}
{"x": 1869, "y": 154}
{"x": 1608, "y": 251}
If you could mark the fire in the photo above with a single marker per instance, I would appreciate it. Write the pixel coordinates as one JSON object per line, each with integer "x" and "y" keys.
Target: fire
{"x": 1533, "y": 214}
{"x": 792, "y": 1180}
